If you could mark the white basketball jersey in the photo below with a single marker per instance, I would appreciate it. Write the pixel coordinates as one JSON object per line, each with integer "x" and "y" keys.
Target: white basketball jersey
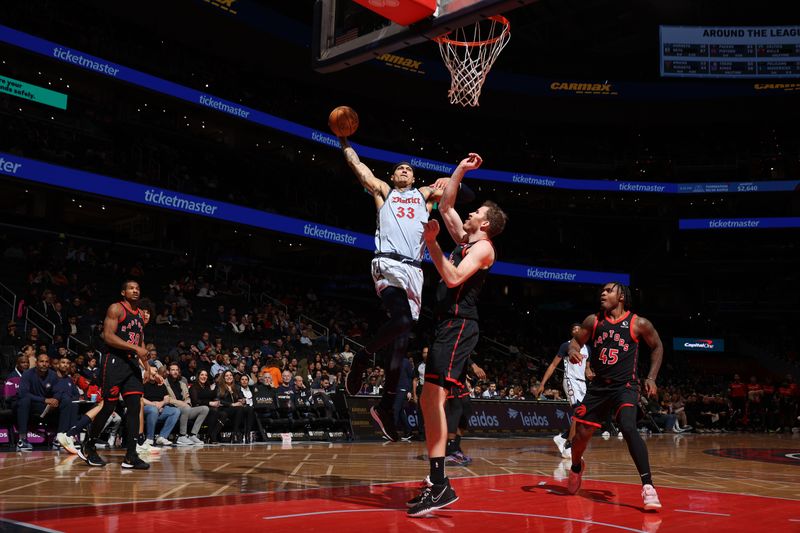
{"x": 576, "y": 370}
{"x": 400, "y": 222}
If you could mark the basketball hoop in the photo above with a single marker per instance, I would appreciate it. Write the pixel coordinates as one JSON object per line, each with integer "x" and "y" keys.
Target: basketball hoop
{"x": 470, "y": 60}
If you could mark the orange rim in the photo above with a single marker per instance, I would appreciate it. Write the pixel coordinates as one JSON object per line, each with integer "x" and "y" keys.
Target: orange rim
{"x": 444, "y": 39}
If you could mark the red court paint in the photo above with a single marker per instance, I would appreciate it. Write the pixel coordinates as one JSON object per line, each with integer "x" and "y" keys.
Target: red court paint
{"x": 510, "y": 502}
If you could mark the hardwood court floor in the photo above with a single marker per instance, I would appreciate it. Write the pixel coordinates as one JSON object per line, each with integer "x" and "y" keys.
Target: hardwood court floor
{"x": 727, "y": 482}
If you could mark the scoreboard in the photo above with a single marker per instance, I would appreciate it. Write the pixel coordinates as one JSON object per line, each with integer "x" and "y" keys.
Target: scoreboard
{"x": 730, "y": 51}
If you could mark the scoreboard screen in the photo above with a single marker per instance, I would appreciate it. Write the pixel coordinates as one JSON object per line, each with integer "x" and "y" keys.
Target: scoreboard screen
{"x": 730, "y": 51}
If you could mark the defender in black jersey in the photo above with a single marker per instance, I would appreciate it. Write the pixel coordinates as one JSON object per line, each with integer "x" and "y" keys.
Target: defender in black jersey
{"x": 457, "y": 328}
{"x": 121, "y": 374}
{"x": 613, "y": 336}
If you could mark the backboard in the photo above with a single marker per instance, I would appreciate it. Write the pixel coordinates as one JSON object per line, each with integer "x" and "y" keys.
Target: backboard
{"x": 346, "y": 34}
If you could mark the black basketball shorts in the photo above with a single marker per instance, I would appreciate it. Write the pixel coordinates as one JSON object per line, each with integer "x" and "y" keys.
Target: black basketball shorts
{"x": 601, "y": 402}
{"x": 120, "y": 375}
{"x": 456, "y": 339}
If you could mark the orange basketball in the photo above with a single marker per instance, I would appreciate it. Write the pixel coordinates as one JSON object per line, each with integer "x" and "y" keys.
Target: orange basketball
{"x": 343, "y": 121}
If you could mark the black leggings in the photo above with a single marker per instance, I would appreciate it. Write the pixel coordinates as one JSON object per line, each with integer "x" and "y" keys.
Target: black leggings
{"x": 394, "y": 334}
{"x": 133, "y": 404}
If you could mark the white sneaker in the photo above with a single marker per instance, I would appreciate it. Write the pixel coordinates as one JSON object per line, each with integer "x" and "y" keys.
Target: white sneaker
{"x": 620, "y": 436}
{"x": 112, "y": 440}
{"x": 606, "y": 435}
{"x": 650, "y": 498}
{"x": 183, "y": 440}
{"x": 196, "y": 441}
{"x": 145, "y": 447}
{"x": 67, "y": 443}
{"x": 560, "y": 442}
{"x": 567, "y": 453}
{"x": 161, "y": 441}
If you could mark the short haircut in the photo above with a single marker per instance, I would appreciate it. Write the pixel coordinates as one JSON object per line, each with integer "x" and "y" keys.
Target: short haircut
{"x": 125, "y": 284}
{"x": 496, "y": 217}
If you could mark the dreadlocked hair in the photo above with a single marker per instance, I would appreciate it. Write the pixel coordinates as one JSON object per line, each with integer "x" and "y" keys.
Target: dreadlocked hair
{"x": 624, "y": 291}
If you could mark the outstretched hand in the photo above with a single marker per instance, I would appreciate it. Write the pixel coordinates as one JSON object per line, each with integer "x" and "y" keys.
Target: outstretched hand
{"x": 440, "y": 184}
{"x": 472, "y": 162}
{"x": 431, "y": 230}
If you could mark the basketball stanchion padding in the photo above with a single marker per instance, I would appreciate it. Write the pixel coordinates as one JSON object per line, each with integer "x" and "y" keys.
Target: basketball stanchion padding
{"x": 403, "y": 12}
{"x": 469, "y": 54}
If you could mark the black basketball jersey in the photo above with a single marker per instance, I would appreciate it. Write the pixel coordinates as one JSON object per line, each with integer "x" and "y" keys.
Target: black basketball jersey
{"x": 461, "y": 301}
{"x": 614, "y": 349}
{"x": 129, "y": 328}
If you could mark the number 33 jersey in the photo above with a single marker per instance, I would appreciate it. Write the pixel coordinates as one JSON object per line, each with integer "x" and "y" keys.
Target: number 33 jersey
{"x": 400, "y": 222}
{"x": 615, "y": 349}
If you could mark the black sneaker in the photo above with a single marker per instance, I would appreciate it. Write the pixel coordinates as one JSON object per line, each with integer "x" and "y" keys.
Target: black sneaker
{"x": 88, "y": 453}
{"x": 384, "y": 419}
{"x": 135, "y": 463}
{"x": 418, "y": 498}
{"x": 355, "y": 379}
{"x": 434, "y": 497}
{"x": 24, "y": 446}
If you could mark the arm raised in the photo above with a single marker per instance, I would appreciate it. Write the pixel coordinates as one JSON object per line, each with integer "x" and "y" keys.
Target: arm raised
{"x": 365, "y": 176}
{"x": 480, "y": 256}
{"x": 453, "y": 223}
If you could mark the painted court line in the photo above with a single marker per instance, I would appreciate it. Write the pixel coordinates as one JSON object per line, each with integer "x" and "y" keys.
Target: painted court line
{"x": 220, "y": 467}
{"x": 700, "y": 512}
{"x": 504, "y": 513}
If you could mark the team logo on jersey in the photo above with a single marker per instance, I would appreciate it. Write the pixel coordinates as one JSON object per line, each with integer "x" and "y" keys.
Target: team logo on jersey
{"x": 580, "y": 410}
{"x": 625, "y": 324}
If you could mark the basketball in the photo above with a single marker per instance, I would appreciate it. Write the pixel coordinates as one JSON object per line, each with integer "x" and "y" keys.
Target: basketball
{"x": 343, "y": 121}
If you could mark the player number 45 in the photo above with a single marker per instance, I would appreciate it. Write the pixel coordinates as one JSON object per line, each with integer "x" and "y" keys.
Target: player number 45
{"x": 609, "y": 356}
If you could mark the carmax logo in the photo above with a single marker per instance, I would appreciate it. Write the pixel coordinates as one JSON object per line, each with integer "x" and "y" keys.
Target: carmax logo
{"x": 703, "y": 344}
{"x": 584, "y": 88}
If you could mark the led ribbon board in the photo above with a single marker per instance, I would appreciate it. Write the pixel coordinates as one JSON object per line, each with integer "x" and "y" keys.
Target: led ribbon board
{"x": 153, "y": 83}
{"x": 738, "y": 223}
{"x": 34, "y": 93}
{"x": 87, "y": 182}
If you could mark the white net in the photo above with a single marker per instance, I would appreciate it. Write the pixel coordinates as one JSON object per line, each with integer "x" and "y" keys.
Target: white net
{"x": 469, "y": 54}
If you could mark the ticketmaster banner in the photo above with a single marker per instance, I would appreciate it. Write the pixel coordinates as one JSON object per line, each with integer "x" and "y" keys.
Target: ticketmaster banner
{"x": 738, "y": 223}
{"x": 78, "y": 180}
{"x": 431, "y": 167}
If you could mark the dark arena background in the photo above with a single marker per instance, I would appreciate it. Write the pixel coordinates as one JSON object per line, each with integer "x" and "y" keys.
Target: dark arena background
{"x": 185, "y": 145}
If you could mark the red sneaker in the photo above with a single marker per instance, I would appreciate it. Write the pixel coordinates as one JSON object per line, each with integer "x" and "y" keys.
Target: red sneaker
{"x": 574, "y": 480}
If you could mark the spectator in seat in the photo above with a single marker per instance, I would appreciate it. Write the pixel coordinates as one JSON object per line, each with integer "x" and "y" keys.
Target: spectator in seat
{"x": 231, "y": 403}
{"x": 491, "y": 392}
{"x": 203, "y": 392}
{"x": 286, "y": 383}
{"x": 11, "y": 386}
{"x": 178, "y": 390}
{"x": 246, "y": 394}
{"x": 12, "y": 336}
{"x": 66, "y": 392}
{"x": 36, "y": 388}
{"x": 157, "y": 409}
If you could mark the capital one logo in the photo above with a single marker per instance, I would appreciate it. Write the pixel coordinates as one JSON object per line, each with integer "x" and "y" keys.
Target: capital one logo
{"x": 512, "y": 413}
{"x": 384, "y": 3}
{"x": 705, "y": 344}
{"x": 560, "y": 414}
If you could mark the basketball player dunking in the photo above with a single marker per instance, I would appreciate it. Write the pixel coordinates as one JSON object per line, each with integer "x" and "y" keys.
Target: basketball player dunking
{"x": 396, "y": 272}
{"x": 613, "y": 335}
{"x": 121, "y": 374}
{"x": 457, "y": 324}
{"x": 575, "y": 375}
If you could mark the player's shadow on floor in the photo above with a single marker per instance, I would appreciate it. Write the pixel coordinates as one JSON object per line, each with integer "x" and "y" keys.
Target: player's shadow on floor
{"x": 595, "y": 495}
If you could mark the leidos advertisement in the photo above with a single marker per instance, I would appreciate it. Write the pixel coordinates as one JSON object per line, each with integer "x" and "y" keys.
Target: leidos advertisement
{"x": 489, "y": 418}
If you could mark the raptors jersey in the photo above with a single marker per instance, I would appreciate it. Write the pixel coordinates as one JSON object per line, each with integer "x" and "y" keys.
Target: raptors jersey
{"x": 460, "y": 301}
{"x": 615, "y": 350}
{"x": 129, "y": 329}
{"x": 400, "y": 222}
